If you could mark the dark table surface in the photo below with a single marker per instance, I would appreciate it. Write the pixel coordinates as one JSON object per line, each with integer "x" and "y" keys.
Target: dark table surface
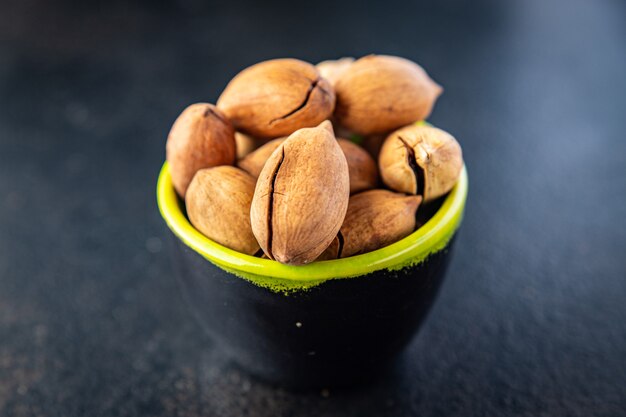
{"x": 532, "y": 317}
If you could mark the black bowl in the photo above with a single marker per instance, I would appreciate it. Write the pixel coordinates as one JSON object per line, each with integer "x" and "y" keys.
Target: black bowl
{"x": 324, "y": 324}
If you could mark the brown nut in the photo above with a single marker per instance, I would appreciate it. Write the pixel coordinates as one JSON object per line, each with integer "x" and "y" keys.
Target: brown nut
{"x": 372, "y": 144}
{"x": 201, "y": 137}
{"x": 245, "y": 144}
{"x": 254, "y": 162}
{"x": 332, "y": 251}
{"x": 218, "y": 205}
{"x": 332, "y": 69}
{"x": 276, "y": 98}
{"x": 301, "y": 196}
{"x": 420, "y": 159}
{"x": 361, "y": 166}
{"x": 375, "y": 219}
{"x": 379, "y": 93}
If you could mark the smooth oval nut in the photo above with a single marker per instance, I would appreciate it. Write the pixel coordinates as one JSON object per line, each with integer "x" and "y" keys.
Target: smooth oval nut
{"x": 361, "y": 167}
{"x": 373, "y": 143}
{"x": 201, "y": 137}
{"x": 277, "y": 97}
{"x": 380, "y": 93}
{"x": 301, "y": 196}
{"x": 334, "y": 68}
{"x": 218, "y": 205}
{"x": 254, "y": 162}
{"x": 420, "y": 159}
{"x": 375, "y": 219}
{"x": 245, "y": 144}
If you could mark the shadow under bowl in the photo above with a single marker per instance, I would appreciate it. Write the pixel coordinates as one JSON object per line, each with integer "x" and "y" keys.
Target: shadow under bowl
{"x": 325, "y": 324}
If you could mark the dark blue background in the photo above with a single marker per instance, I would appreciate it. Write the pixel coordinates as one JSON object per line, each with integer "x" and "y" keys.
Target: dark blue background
{"x": 532, "y": 318}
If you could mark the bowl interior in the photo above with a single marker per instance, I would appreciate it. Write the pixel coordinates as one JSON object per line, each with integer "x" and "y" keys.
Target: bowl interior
{"x": 431, "y": 237}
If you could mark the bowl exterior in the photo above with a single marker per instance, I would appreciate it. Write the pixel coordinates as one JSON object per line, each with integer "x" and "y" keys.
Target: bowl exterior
{"x": 342, "y": 331}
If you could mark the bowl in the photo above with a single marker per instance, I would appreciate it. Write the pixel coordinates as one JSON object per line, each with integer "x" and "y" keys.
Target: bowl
{"x": 324, "y": 324}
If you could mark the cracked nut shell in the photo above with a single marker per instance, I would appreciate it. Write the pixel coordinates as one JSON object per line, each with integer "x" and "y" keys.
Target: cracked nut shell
{"x": 201, "y": 137}
{"x": 218, "y": 205}
{"x": 375, "y": 219}
{"x": 420, "y": 159}
{"x": 277, "y": 97}
{"x": 380, "y": 93}
{"x": 301, "y": 196}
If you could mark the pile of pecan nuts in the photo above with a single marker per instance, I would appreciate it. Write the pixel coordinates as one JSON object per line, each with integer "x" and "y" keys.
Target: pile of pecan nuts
{"x": 299, "y": 162}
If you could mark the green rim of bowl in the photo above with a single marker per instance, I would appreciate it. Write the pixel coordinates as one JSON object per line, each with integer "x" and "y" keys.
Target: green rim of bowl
{"x": 413, "y": 249}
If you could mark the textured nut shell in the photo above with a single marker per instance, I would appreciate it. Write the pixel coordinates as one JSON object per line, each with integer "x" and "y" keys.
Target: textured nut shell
{"x": 254, "y": 162}
{"x": 276, "y": 98}
{"x": 218, "y": 205}
{"x": 361, "y": 167}
{"x": 245, "y": 144}
{"x": 334, "y": 68}
{"x": 377, "y": 218}
{"x": 379, "y": 93}
{"x": 301, "y": 196}
{"x": 201, "y": 137}
{"x": 435, "y": 151}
